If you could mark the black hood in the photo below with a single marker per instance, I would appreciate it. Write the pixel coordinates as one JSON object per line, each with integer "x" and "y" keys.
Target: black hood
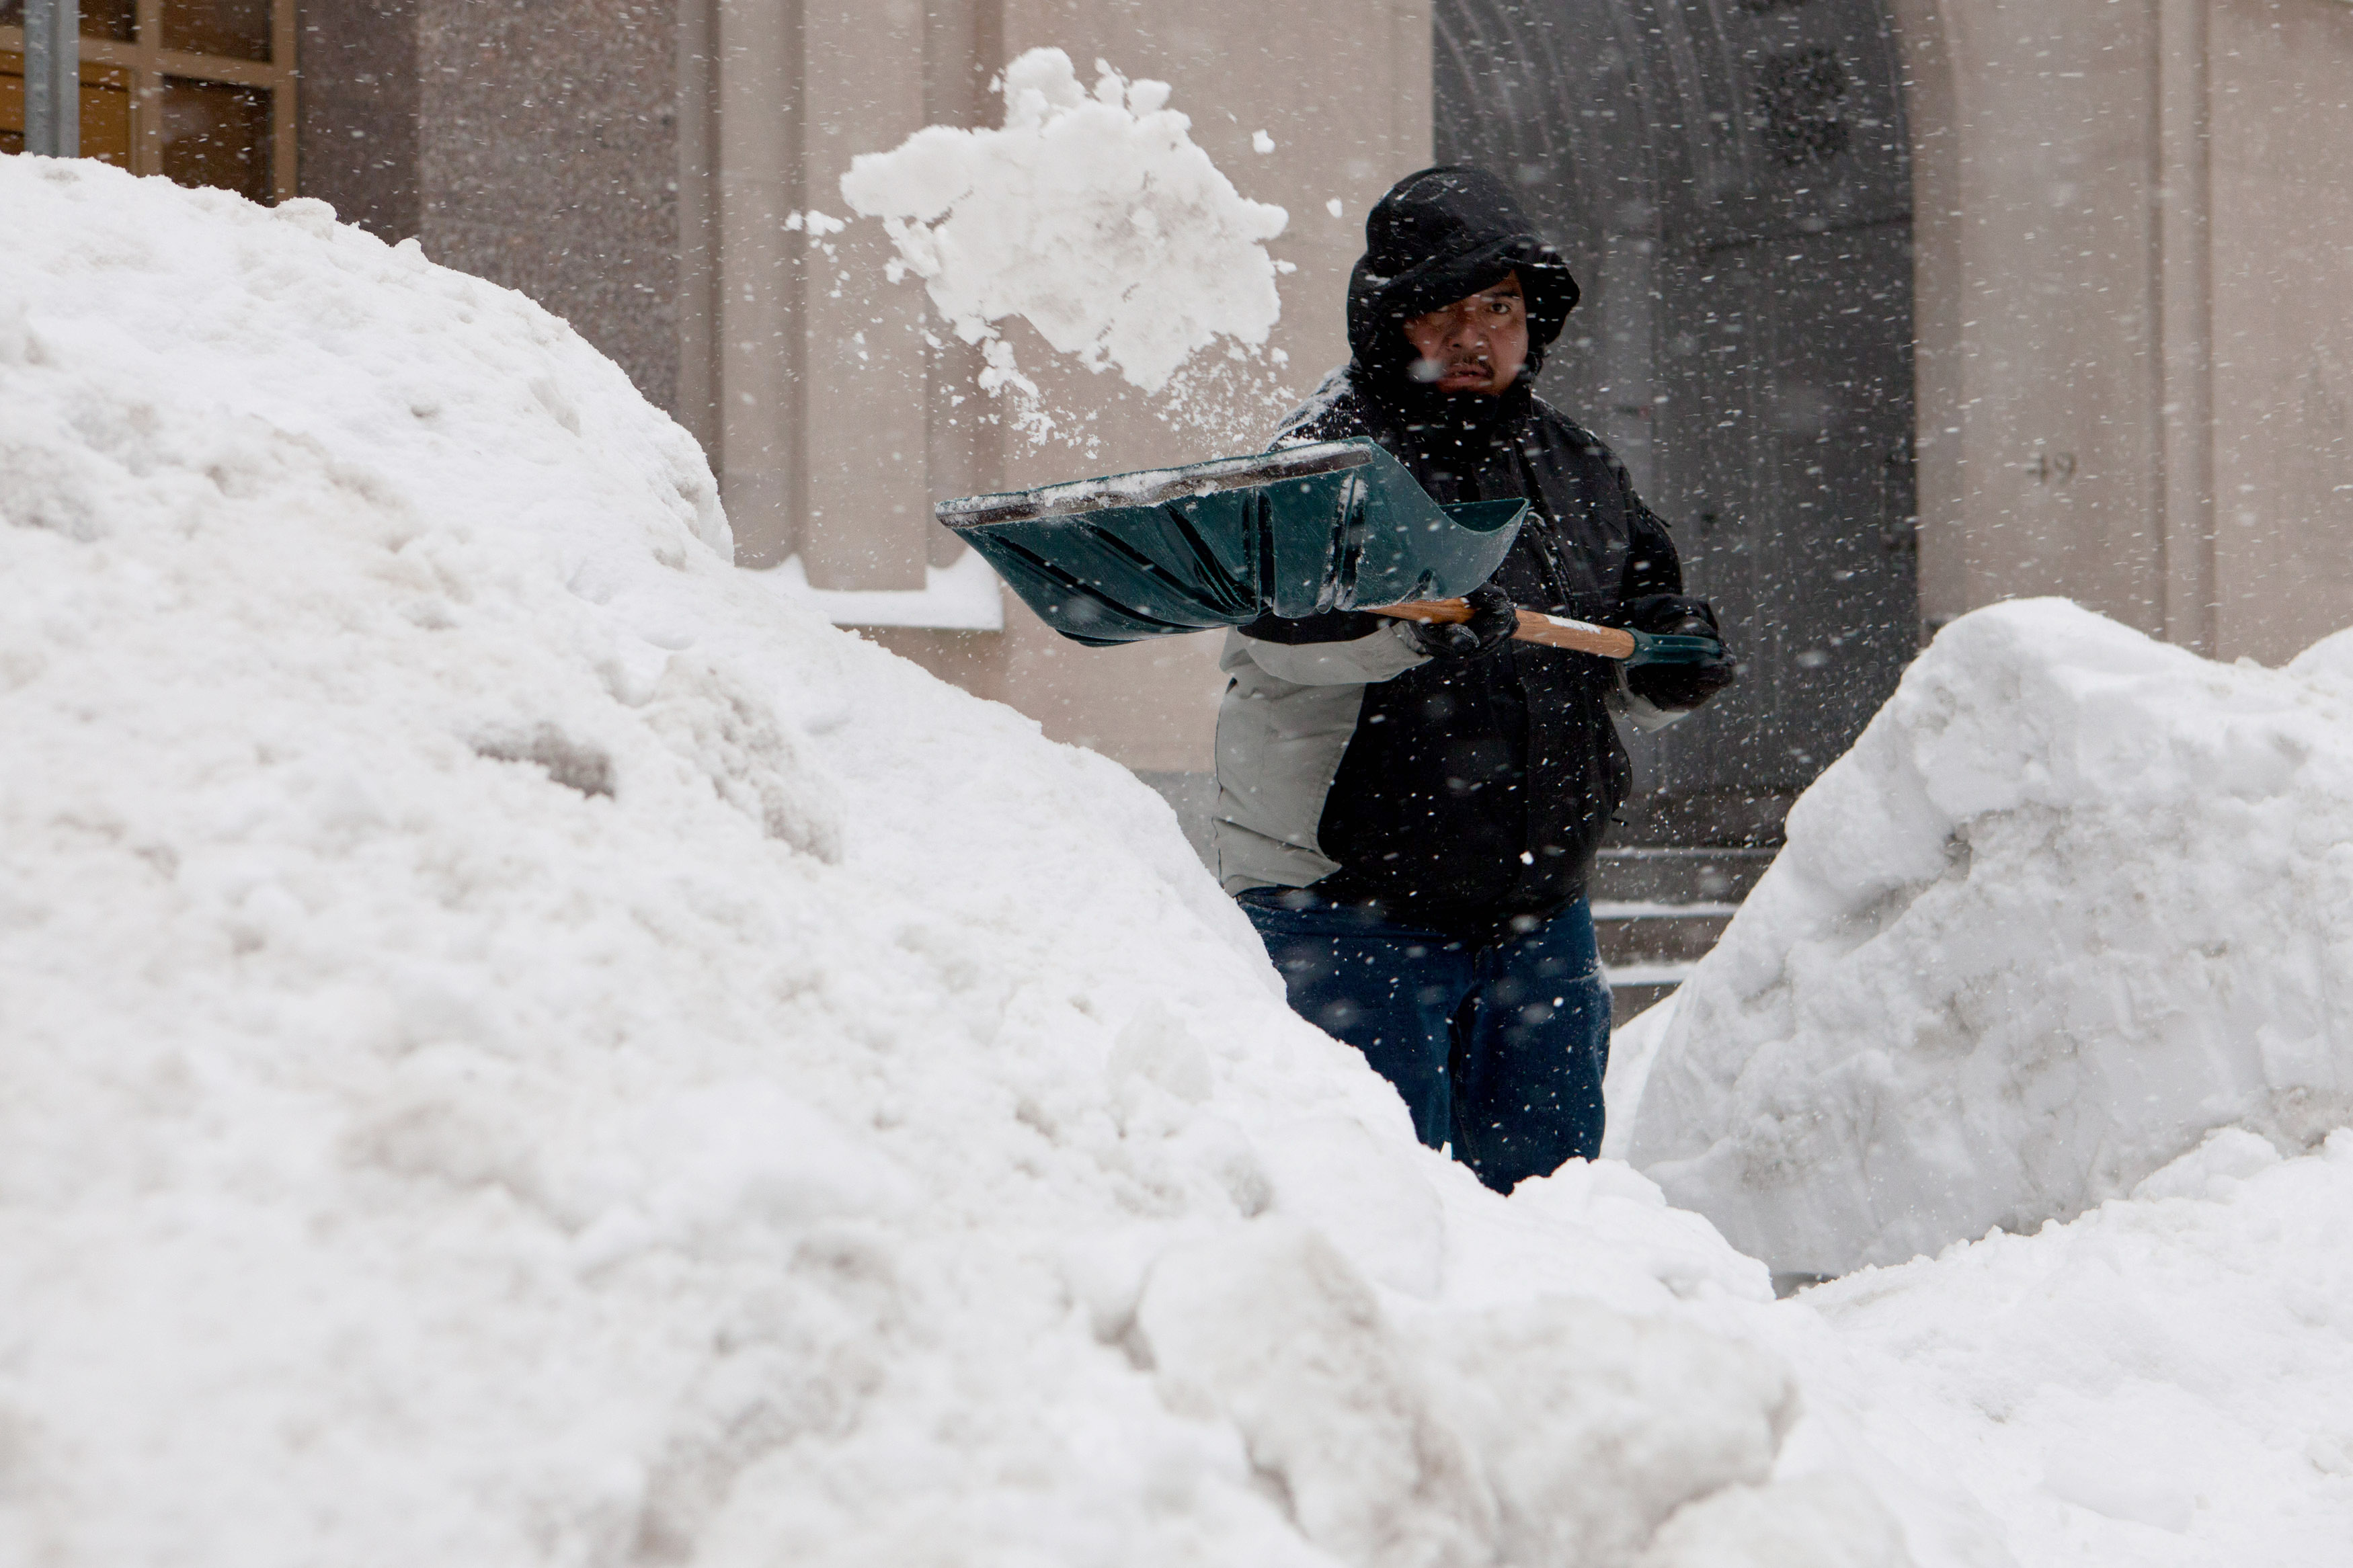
{"x": 1440, "y": 236}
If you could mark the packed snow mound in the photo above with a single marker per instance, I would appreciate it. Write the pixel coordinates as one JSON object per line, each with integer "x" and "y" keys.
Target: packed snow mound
{"x": 1091, "y": 215}
{"x": 2073, "y": 900}
{"x": 2157, "y": 1383}
{"x": 520, "y": 1047}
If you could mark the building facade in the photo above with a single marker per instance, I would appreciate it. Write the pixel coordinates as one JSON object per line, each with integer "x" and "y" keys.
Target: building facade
{"x": 1896, "y": 306}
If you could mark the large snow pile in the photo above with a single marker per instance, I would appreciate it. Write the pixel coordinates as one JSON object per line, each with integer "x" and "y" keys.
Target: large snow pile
{"x": 2073, "y": 900}
{"x": 1091, "y": 215}
{"x": 517, "y": 1046}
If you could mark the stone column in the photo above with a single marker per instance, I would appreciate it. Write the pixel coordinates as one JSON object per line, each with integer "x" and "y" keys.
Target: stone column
{"x": 697, "y": 407}
{"x": 866, "y": 499}
{"x": 2037, "y": 301}
{"x": 2185, "y": 398}
{"x": 758, "y": 349}
{"x": 2278, "y": 269}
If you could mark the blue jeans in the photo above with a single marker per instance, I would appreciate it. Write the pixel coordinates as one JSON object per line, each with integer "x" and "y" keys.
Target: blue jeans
{"x": 1497, "y": 1050}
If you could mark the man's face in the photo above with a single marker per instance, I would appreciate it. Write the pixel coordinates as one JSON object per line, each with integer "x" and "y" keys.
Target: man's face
{"x": 1476, "y": 344}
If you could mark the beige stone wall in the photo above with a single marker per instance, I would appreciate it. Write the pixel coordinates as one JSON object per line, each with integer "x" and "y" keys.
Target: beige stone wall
{"x": 2133, "y": 234}
{"x": 840, "y": 425}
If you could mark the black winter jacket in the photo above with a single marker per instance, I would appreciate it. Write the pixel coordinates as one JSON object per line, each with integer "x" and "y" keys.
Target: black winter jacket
{"x": 1467, "y": 791}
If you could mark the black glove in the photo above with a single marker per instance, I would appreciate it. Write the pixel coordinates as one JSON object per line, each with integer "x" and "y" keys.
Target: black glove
{"x": 1681, "y": 687}
{"x": 1493, "y": 618}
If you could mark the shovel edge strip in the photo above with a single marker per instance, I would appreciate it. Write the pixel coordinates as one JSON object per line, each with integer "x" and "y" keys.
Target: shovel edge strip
{"x": 1153, "y": 487}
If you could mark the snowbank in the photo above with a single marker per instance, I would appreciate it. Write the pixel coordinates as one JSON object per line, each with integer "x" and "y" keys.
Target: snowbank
{"x": 2073, "y": 900}
{"x": 1093, "y": 216}
{"x": 521, "y": 1047}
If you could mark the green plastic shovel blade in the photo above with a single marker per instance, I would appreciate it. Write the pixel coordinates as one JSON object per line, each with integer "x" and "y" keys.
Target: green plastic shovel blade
{"x": 1332, "y": 526}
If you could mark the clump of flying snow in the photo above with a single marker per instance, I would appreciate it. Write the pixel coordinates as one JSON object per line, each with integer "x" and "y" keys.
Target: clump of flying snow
{"x": 2075, "y": 900}
{"x": 521, "y": 1048}
{"x": 1093, "y": 215}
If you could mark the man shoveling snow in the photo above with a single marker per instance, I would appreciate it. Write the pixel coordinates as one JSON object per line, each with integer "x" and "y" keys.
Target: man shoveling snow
{"x": 1408, "y": 811}
{"x": 1412, "y": 785}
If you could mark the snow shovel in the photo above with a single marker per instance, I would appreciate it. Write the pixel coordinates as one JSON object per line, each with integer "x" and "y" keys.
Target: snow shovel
{"x": 1336, "y": 525}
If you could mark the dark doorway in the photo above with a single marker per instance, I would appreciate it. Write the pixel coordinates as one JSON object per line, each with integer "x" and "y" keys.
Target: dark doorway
{"x": 1731, "y": 181}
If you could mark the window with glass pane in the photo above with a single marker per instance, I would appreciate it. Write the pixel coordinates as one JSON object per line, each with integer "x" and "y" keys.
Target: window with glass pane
{"x": 114, "y": 20}
{"x": 204, "y": 95}
{"x": 214, "y": 134}
{"x": 237, "y": 29}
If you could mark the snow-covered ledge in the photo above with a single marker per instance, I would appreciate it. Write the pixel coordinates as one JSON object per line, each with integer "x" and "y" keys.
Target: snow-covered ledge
{"x": 962, "y": 597}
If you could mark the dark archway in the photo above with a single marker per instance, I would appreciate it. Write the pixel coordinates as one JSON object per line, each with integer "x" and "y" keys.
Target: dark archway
{"x": 1731, "y": 181}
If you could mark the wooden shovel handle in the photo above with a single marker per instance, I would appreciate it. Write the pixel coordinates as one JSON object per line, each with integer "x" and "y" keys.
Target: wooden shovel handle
{"x": 1553, "y": 631}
